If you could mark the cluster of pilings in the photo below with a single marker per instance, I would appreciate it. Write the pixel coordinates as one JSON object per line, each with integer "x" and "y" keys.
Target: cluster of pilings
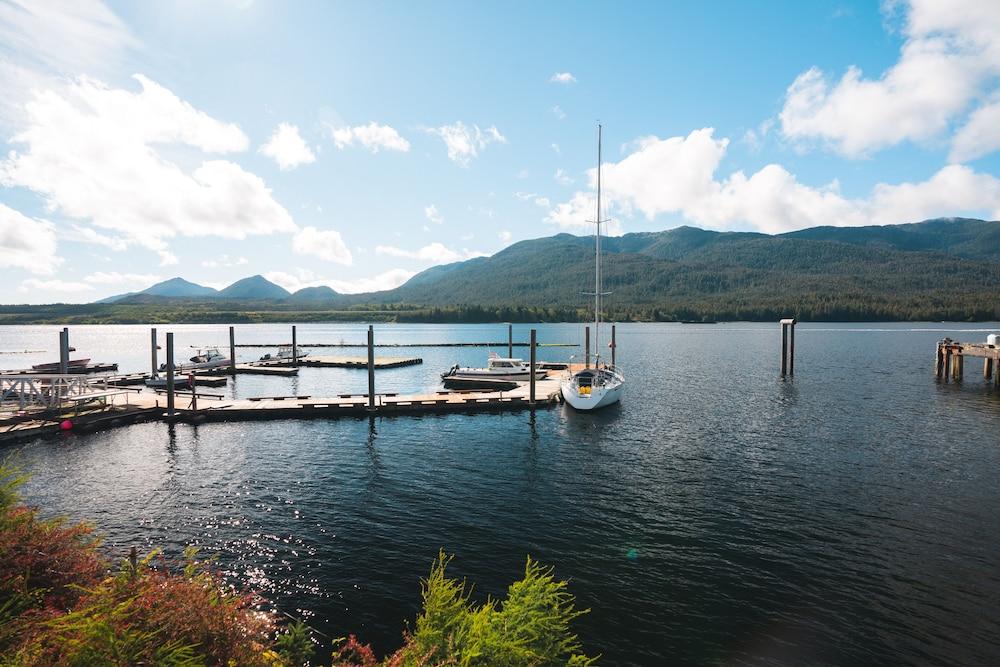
{"x": 949, "y": 361}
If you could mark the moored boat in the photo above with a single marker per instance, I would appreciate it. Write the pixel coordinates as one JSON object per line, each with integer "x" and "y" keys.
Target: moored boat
{"x": 210, "y": 358}
{"x": 54, "y": 366}
{"x": 497, "y": 368}
{"x": 601, "y": 385}
{"x": 285, "y": 353}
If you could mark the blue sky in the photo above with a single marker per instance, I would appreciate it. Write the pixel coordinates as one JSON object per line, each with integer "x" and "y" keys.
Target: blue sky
{"x": 355, "y": 144}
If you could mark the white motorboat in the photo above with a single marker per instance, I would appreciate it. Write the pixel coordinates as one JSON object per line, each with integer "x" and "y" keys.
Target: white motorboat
{"x": 285, "y": 353}
{"x": 209, "y": 358}
{"x": 497, "y": 368}
{"x": 601, "y": 385}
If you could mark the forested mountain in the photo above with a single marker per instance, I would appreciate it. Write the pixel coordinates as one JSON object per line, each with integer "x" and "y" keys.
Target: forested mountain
{"x": 932, "y": 270}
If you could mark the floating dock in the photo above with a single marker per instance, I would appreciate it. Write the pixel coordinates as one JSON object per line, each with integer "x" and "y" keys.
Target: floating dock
{"x": 335, "y": 362}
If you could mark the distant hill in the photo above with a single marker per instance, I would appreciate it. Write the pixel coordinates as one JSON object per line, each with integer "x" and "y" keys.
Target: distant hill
{"x": 254, "y": 287}
{"x": 945, "y": 268}
{"x": 312, "y": 294}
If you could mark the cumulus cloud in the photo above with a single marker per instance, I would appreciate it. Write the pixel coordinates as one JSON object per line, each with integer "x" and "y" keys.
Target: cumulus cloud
{"x": 562, "y": 178}
{"x": 434, "y": 253}
{"x": 558, "y": 113}
{"x": 326, "y": 244}
{"x": 91, "y": 152}
{"x": 88, "y": 235}
{"x": 465, "y": 143}
{"x": 302, "y": 278}
{"x": 225, "y": 261}
{"x": 980, "y": 135}
{"x": 373, "y": 137}
{"x": 41, "y": 42}
{"x": 27, "y": 243}
{"x": 433, "y": 214}
{"x": 950, "y": 56}
{"x": 562, "y": 77}
{"x": 505, "y": 235}
{"x": 140, "y": 280}
{"x": 54, "y": 285}
{"x": 678, "y": 176}
{"x": 287, "y": 148}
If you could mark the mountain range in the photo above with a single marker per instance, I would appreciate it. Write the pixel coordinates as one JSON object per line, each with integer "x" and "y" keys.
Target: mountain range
{"x": 936, "y": 269}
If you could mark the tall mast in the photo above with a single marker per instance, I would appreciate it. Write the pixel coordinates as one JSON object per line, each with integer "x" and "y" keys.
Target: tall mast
{"x": 597, "y": 257}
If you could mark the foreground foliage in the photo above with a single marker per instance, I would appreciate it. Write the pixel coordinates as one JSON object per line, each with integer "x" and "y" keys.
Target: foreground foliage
{"x": 60, "y": 606}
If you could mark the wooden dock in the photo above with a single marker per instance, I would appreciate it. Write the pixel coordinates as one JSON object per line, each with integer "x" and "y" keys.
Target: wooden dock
{"x": 336, "y": 362}
{"x": 949, "y": 363}
{"x": 252, "y": 368}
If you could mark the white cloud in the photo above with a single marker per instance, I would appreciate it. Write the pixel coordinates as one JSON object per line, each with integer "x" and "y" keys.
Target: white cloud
{"x": 325, "y": 244}
{"x": 90, "y": 151}
{"x": 41, "y": 42}
{"x": 140, "y": 280}
{"x": 433, "y": 214}
{"x": 562, "y": 77}
{"x": 383, "y": 281}
{"x": 372, "y": 136}
{"x": 167, "y": 258}
{"x": 532, "y": 197}
{"x": 26, "y": 243}
{"x": 980, "y": 135}
{"x": 386, "y": 280}
{"x": 434, "y": 253}
{"x": 32, "y": 284}
{"x": 558, "y": 113}
{"x": 287, "y": 148}
{"x": 555, "y": 147}
{"x": 951, "y": 52}
{"x": 562, "y": 177}
{"x": 465, "y": 143}
{"x": 678, "y": 176}
{"x": 88, "y": 235}
{"x": 505, "y": 235}
{"x": 523, "y": 174}
{"x": 224, "y": 261}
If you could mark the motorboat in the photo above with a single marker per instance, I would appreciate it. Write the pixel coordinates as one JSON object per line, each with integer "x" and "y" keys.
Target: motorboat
{"x": 497, "y": 368}
{"x": 601, "y": 384}
{"x": 284, "y": 353}
{"x": 209, "y": 358}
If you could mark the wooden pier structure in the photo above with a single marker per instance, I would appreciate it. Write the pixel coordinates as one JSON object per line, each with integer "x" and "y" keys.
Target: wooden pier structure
{"x": 949, "y": 362}
{"x": 88, "y": 404}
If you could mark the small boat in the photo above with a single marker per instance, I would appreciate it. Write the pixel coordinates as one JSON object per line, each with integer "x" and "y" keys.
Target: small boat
{"x": 160, "y": 382}
{"x": 210, "y": 358}
{"x": 54, "y": 366}
{"x": 285, "y": 353}
{"x": 497, "y": 368}
{"x": 601, "y": 385}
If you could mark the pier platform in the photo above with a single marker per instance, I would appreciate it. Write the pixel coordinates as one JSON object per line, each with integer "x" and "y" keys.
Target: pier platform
{"x": 337, "y": 362}
{"x": 949, "y": 363}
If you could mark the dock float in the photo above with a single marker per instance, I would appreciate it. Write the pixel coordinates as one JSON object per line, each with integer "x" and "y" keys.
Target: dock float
{"x": 336, "y": 362}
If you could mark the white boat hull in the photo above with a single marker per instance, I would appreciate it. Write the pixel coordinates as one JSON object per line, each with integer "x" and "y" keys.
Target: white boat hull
{"x": 597, "y": 397}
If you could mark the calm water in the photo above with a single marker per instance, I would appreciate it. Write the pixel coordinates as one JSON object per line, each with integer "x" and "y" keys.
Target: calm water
{"x": 718, "y": 516}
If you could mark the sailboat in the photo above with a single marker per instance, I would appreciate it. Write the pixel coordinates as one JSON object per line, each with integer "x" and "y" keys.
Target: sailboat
{"x": 601, "y": 385}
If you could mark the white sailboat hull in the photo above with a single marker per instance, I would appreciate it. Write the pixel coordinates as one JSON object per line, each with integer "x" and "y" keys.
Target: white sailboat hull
{"x": 598, "y": 397}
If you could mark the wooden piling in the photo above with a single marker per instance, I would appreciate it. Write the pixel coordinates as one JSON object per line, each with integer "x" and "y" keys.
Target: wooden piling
{"x": 153, "y": 365}
{"x": 531, "y": 391}
{"x": 64, "y": 351}
{"x": 791, "y": 350}
{"x": 232, "y": 350}
{"x": 614, "y": 345}
{"x": 787, "y": 346}
{"x": 784, "y": 350}
{"x": 510, "y": 341}
{"x": 938, "y": 361}
{"x": 371, "y": 368}
{"x": 988, "y": 369}
{"x": 959, "y": 366}
{"x": 586, "y": 346}
{"x": 295, "y": 348}
{"x": 947, "y": 364}
{"x": 170, "y": 374}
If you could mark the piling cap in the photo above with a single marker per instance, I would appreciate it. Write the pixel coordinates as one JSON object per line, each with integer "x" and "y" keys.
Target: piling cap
{"x": 787, "y": 320}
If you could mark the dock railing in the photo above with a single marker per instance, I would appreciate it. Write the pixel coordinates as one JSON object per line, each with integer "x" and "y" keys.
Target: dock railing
{"x": 45, "y": 391}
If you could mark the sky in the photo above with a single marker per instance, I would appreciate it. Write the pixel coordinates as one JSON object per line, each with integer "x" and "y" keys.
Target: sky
{"x": 356, "y": 144}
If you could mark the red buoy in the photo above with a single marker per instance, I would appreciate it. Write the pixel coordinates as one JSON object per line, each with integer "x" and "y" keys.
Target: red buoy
{"x": 66, "y": 425}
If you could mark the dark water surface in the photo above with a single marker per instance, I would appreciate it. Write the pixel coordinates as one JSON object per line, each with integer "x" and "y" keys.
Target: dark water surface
{"x": 718, "y": 516}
